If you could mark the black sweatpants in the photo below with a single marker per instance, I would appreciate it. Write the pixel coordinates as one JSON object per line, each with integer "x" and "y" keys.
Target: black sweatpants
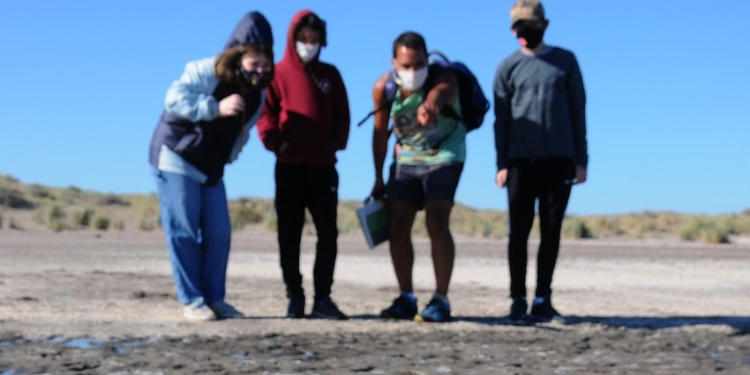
{"x": 549, "y": 181}
{"x": 315, "y": 188}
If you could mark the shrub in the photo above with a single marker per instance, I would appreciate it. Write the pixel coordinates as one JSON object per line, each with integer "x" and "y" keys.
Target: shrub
{"x": 14, "y": 225}
{"x": 146, "y": 224}
{"x": 56, "y": 219}
{"x": 56, "y": 213}
{"x": 742, "y": 224}
{"x": 113, "y": 200}
{"x": 574, "y": 227}
{"x": 269, "y": 221}
{"x": 119, "y": 225}
{"x": 14, "y": 198}
{"x": 476, "y": 226}
{"x": 690, "y": 230}
{"x": 603, "y": 226}
{"x": 728, "y": 223}
{"x": 57, "y": 226}
{"x": 38, "y": 216}
{"x": 347, "y": 217}
{"x": 82, "y": 219}
{"x": 70, "y": 195}
{"x": 40, "y": 191}
{"x": 703, "y": 229}
{"x": 1, "y": 220}
{"x": 714, "y": 235}
{"x": 101, "y": 223}
{"x": 642, "y": 228}
{"x": 241, "y": 215}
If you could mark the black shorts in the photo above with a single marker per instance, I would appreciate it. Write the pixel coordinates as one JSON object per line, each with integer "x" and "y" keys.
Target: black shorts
{"x": 417, "y": 184}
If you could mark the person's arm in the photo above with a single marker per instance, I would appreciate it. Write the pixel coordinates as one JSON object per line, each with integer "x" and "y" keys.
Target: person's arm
{"x": 380, "y": 132}
{"x": 343, "y": 120}
{"x": 244, "y": 135}
{"x": 502, "y": 94}
{"x": 190, "y": 96}
{"x": 577, "y": 100}
{"x": 268, "y": 123}
{"x": 444, "y": 92}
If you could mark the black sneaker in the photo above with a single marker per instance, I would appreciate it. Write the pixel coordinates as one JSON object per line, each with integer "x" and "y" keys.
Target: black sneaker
{"x": 296, "y": 307}
{"x": 324, "y": 308}
{"x": 401, "y": 308}
{"x": 518, "y": 309}
{"x": 544, "y": 312}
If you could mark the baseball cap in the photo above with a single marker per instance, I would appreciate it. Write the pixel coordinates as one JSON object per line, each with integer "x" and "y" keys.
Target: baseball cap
{"x": 526, "y": 10}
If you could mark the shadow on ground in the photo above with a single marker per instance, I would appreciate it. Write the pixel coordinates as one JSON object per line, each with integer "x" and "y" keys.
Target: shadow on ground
{"x": 740, "y": 324}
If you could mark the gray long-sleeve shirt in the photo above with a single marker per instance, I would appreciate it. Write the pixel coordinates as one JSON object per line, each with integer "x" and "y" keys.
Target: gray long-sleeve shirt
{"x": 540, "y": 107}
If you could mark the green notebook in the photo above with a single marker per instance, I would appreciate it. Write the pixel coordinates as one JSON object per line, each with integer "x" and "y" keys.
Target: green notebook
{"x": 373, "y": 218}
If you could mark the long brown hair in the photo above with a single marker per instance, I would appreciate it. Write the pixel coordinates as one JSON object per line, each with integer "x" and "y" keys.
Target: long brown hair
{"x": 227, "y": 65}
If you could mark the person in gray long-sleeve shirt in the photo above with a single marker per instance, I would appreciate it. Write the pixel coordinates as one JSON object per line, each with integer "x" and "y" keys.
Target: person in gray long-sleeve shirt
{"x": 540, "y": 138}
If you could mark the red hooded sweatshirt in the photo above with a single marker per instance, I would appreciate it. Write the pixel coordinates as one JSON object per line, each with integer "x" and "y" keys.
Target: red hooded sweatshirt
{"x": 311, "y": 118}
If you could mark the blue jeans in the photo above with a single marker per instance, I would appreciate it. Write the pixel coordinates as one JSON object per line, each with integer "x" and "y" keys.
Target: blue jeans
{"x": 195, "y": 219}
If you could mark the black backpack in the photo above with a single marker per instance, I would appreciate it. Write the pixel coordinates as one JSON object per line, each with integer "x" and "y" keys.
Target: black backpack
{"x": 474, "y": 105}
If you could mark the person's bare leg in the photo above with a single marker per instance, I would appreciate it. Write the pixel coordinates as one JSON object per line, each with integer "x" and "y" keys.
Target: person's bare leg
{"x": 401, "y": 218}
{"x": 443, "y": 249}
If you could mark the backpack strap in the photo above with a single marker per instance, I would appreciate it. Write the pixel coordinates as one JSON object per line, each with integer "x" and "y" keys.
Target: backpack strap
{"x": 390, "y": 89}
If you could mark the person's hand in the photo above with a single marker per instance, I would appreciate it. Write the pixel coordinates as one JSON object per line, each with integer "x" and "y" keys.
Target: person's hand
{"x": 378, "y": 190}
{"x": 231, "y": 105}
{"x": 427, "y": 113}
{"x": 501, "y": 177}
{"x": 581, "y": 174}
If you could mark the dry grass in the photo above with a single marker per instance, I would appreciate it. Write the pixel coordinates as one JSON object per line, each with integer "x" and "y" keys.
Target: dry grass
{"x": 49, "y": 207}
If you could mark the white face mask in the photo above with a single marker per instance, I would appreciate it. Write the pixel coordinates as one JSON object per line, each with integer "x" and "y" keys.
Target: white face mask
{"x": 306, "y": 51}
{"x": 411, "y": 80}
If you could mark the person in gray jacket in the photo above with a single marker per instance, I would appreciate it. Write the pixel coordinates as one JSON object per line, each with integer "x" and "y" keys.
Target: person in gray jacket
{"x": 540, "y": 138}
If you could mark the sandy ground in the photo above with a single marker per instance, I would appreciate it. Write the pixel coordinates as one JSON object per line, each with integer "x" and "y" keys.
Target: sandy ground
{"x": 81, "y": 302}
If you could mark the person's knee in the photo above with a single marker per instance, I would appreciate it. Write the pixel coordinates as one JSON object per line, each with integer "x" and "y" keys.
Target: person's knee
{"x": 400, "y": 233}
{"x": 400, "y": 224}
{"x": 438, "y": 227}
{"x": 184, "y": 234}
{"x": 437, "y": 218}
{"x": 328, "y": 235}
{"x": 217, "y": 239}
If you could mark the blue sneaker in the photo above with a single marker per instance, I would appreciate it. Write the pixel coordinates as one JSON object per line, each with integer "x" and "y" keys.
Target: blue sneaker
{"x": 437, "y": 311}
{"x": 402, "y": 308}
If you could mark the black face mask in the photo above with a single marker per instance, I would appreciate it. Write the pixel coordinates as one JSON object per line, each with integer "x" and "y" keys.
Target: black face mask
{"x": 532, "y": 35}
{"x": 256, "y": 80}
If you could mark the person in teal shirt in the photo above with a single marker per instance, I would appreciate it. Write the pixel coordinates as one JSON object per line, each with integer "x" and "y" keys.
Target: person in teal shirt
{"x": 428, "y": 160}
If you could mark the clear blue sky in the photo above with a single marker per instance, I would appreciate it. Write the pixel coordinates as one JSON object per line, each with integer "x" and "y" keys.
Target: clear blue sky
{"x": 82, "y": 84}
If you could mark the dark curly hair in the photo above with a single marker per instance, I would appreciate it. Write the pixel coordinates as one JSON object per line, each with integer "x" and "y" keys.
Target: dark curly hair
{"x": 316, "y": 23}
{"x": 410, "y": 39}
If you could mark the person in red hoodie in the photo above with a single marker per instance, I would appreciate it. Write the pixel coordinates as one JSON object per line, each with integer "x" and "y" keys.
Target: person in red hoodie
{"x": 305, "y": 120}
